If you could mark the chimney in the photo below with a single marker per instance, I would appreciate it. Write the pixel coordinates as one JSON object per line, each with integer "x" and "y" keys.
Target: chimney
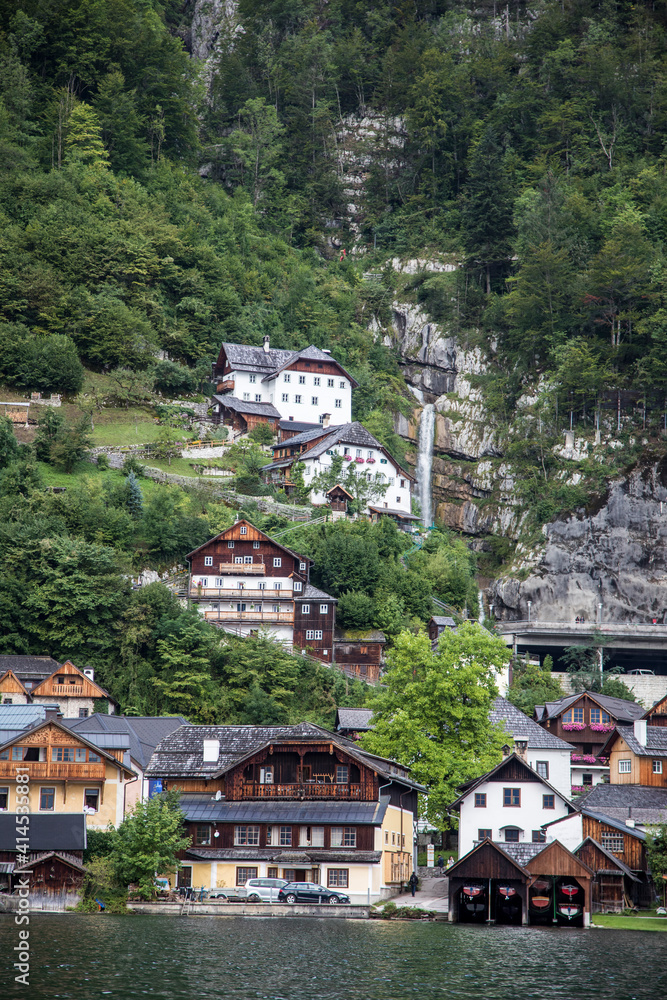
{"x": 520, "y": 747}
{"x": 90, "y": 673}
{"x": 211, "y": 751}
{"x": 326, "y": 419}
{"x": 267, "y": 343}
{"x": 640, "y": 731}
{"x": 52, "y": 713}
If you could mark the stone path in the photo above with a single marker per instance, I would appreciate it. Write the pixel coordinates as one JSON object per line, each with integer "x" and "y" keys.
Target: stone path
{"x": 433, "y": 895}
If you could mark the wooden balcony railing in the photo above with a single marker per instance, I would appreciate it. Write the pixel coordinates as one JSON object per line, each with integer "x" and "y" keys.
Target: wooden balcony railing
{"x": 243, "y": 569}
{"x": 226, "y": 385}
{"x": 250, "y": 616}
{"x": 73, "y": 690}
{"x": 247, "y": 593}
{"x": 53, "y": 770}
{"x": 301, "y": 790}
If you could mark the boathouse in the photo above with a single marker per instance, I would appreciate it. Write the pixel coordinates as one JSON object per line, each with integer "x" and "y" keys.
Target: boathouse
{"x": 487, "y": 886}
{"x": 560, "y": 887}
{"x": 615, "y": 886}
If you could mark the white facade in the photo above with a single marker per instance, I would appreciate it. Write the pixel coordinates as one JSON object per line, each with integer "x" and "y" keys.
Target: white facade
{"x": 537, "y": 804}
{"x": 367, "y": 461}
{"x": 298, "y": 395}
{"x": 569, "y": 831}
{"x": 557, "y": 769}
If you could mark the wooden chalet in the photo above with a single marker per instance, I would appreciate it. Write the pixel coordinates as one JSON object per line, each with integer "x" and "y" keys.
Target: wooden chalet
{"x": 657, "y": 714}
{"x": 615, "y": 886}
{"x": 242, "y": 416}
{"x": 559, "y": 891}
{"x": 72, "y": 691}
{"x": 338, "y": 498}
{"x": 53, "y": 860}
{"x": 586, "y": 719}
{"x": 359, "y": 653}
{"x": 439, "y": 624}
{"x": 488, "y": 886}
{"x": 67, "y": 773}
{"x": 243, "y": 581}
{"x": 638, "y": 755}
{"x": 294, "y": 802}
{"x": 12, "y": 691}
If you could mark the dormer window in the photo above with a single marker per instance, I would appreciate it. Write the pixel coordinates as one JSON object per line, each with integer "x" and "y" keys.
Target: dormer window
{"x": 243, "y": 530}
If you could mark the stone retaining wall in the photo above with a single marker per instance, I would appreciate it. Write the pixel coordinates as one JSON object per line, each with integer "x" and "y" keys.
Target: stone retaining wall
{"x": 215, "y": 909}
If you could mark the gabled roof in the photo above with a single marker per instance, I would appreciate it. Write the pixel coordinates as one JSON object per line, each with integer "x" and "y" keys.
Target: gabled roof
{"x": 57, "y": 723}
{"x": 617, "y": 864}
{"x": 393, "y": 511}
{"x": 353, "y": 433}
{"x": 470, "y": 786}
{"x": 90, "y": 688}
{"x": 181, "y": 753}
{"x": 659, "y": 708}
{"x": 226, "y": 534}
{"x": 311, "y": 434}
{"x": 354, "y": 718}
{"x": 310, "y": 593}
{"x": 311, "y": 353}
{"x": 244, "y": 357}
{"x": 443, "y": 621}
{"x": 458, "y": 868}
{"x": 246, "y": 406}
{"x": 656, "y": 741}
{"x": 617, "y": 824}
{"x": 45, "y": 857}
{"x": 48, "y": 832}
{"x": 618, "y": 708}
{"x": 342, "y": 489}
{"x": 543, "y": 863}
{"x": 28, "y": 666}
{"x": 9, "y": 683}
{"x": 141, "y": 733}
{"x": 645, "y": 804}
{"x": 519, "y": 725}
{"x": 297, "y": 426}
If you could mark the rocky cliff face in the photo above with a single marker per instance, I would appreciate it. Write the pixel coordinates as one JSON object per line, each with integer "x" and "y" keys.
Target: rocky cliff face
{"x": 615, "y": 555}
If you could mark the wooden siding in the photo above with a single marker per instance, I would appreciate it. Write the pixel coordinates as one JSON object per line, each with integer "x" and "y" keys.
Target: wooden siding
{"x": 289, "y": 761}
{"x": 487, "y": 861}
{"x": 48, "y": 737}
{"x": 584, "y": 738}
{"x": 218, "y": 549}
{"x": 515, "y": 770}
{"x": 634, "y": 849}
{"x": 641, "y": 772}
{"x": 657, "y": 716}
{"x": 557, "y": 860}
{"x": 10, "y": 684}
{"x": 76, "y": 685}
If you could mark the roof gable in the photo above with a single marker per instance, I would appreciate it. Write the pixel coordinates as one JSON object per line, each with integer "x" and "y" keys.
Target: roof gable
{"x": 38, "y": 736}
{"x": 486, "y": 855}
{"x": 605, "y": 855}
{"x": 252, "y": 534}
{"x": 10, "y": 684}
{"x": 519, "y": 725}
{"x": 555, "y": 859}
{"x": 83, "y": 688}
{"x": 660, "y": 708}
{"x": 511, "y": 768}
{"x": 311, "y": 353}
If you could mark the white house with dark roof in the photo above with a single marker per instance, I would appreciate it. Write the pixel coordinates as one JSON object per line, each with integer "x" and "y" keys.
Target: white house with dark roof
{"x": 317, "y": 448}
{"x": 303, "y": 385}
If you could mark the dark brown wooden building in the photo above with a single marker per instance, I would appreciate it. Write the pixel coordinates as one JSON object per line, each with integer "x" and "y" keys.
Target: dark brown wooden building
{"x": 615, "y": 886}
{"x": 560, "y": 887}
{"x": 488, "y": 886}
{"x": 359, "y": 653}
{"x": 586, "y": 719}
{"x": 657, "y": 715}
{"x": 338, "y": 498}
{"x": 242, "y": 416}
{"x": 438, "y": 624}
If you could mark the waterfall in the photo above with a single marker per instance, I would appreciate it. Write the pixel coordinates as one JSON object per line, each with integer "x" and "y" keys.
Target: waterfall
{"x": 425, "y": 461}
{"x": 481, "y": 616}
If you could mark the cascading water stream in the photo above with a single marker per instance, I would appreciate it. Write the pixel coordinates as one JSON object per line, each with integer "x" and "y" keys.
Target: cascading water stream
{"x": 425, "y": 461}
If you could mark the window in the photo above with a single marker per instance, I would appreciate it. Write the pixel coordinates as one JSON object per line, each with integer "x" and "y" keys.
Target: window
{"x": 80, "y": 756}
{"x": 46, "y": 799}
{"x": 305, "y": 609}
{"x": 302, "y": 379}
{"x": 511, "y": 835}
{"x": 383, "y": 461}
{"x": 598, "y": 717}
{"x": 247, "y": 559}
{"x": 324, "y": 609}
{"x": 83, "y": 713}
{"x": 402, "y": 484}
{"x": 539, "y": 837}
{"x": 309, "y": 634}
{"x": 344, "y": 836}
{"x": 258, "y": 397}
{"x": 298, "y": 586}
{"x": 542, "y": 768}
{"x": 548, "y": 801}
{"x": 255, "y": 545}
{"x": 4, "y": 799}
{"x": 302, "y": 567}
{"x": 285, "y": 397}
{"x": 287, "y": 378}
{"x": 338, "y": 403}
{"x": 272, "y": 872}
{"x": 386, "y": 836}
{"x": 317, "y": 836}
{"x": 202, "y": 834}
{"x": 244, "y": 530}
{"x": 285, "y": 836}
{"x": 208, "y": 560}
{"x": 358, "y": 453}
{"x": 511, "y": 796}
{"x": 277, "y": 562}
{"x": 612, "y": 842}
{"x": 586, "y": 779}
{"x": 243, "y": 874}
{"x": 62, "y": 753}
{"x": 252, "y": 379}
{"x": 297, "y": 399}
{"x": 624, "y": 766}
{"x": 261, "y": 586}
{"x": 238, "y": 560}
{"x": 230, "y": 545}
{"x": 342, "y": 774}
{"x": 313, "y": 400}
{"x": 573, "y": 715}
{"x": 330, "y": 383}
{"x": 277, "y": 586}
{"x": 246, "y": 836}
{"x": 316, "y": 380}
{"x": 94, "y": 758}
{"x": 480, "y": 800}
{"x": 484, "y": 834}
{"x": 657, "y": 767}
{"x": 91, "y": 799}
{"x": 246, "y": 396}
{"x": 337, "y": 878}
{"x": 342, "y": 384}
{"x": 276, "y": 608}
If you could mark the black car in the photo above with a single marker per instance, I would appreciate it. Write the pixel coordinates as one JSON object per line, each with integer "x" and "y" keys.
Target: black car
{"x": 310, "y": 892}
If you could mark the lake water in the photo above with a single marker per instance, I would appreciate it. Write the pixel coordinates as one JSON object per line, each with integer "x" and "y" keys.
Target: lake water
{"x": 81, "y": 957}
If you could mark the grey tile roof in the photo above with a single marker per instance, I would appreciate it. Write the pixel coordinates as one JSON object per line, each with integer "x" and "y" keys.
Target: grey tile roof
{"x": 205, "y": 808}
{"x": 144, "y": 732}
{"x": 312, "y": 593}
{"x": 642, "y": 803}
{"x": 246, "y": 406}
{"x": 618, "y": 865}
{"x": 358, "y": 719}
{"x": 244, "y": 357}
{"x": 519, "y": 725}
{"x": 311, "y": 353}
{"x": 48, "y": 832}
{"x": 521, "y": 852}
{"x": 297, "y": 425}
{"x": 308, "y": 435}
{"x": 393, "y": 512}
{"x": 359, "y": 635}
{"x": 443, "y": 621}
{"x": 608, "y": 820}
{"x": 28, "y": 666}
{"x": 656, "y": 741}
{"x": 623, "y": 711}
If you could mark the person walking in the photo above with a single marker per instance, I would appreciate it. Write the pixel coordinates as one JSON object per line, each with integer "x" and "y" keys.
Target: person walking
{"x": 413, "y": 882}
{"x": 441, "y": 863}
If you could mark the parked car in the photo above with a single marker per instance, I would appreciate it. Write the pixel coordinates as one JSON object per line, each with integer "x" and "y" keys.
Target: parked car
{"x": 264, "y": 890}
{"x": 643, "y": 673}
{"x": 310, "y": 892}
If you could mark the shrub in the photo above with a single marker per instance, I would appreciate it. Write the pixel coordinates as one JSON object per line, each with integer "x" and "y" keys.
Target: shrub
{"x": 172, "y": 379}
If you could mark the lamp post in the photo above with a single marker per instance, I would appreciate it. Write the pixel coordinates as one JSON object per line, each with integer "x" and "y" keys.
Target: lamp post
{"x": 530, "y": 604}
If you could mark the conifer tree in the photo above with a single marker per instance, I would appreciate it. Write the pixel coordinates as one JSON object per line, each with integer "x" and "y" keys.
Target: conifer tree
{"x": 135, "y": 500}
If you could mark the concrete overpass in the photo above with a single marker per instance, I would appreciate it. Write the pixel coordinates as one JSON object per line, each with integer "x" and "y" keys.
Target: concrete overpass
{"x": 636, "y": 638}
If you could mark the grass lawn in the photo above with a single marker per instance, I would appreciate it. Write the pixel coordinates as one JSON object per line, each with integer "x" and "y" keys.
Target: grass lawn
{"x": 619, "y": 922}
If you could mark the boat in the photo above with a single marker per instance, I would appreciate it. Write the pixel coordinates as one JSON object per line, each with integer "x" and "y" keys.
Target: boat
{"x": 472, "y": 898}
{"x": 472, "y": 890}
{"x": 541, "y": 884}
{"x": 570, "y": 890}
{"x": 507, "y": 891}
{"x": 540, "y": 902}
{"x": 569, "y": 911}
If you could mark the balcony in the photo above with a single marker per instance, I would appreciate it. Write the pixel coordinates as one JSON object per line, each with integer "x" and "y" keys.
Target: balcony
{"x": 226, "y": 385}
{"x": 73, "y": 690}
{"x": 250, "y": 616}
{"x": 53, "y": 770}
{"x": 242, "y": 569}
{"x": 224, "y": 594}
{"x": 301, "y": 790}
{"x": 588, "y": 760}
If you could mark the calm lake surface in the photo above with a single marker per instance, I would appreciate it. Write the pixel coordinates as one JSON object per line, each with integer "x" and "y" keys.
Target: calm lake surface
{"x": 81, "y": 957}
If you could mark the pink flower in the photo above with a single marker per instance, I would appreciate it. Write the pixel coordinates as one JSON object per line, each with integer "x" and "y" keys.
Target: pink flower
{"x": 574, "y": 726}
{"x": 347, "y": 458}
{"x": 371, "y": 461}
{"x": 359, "y": 460}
